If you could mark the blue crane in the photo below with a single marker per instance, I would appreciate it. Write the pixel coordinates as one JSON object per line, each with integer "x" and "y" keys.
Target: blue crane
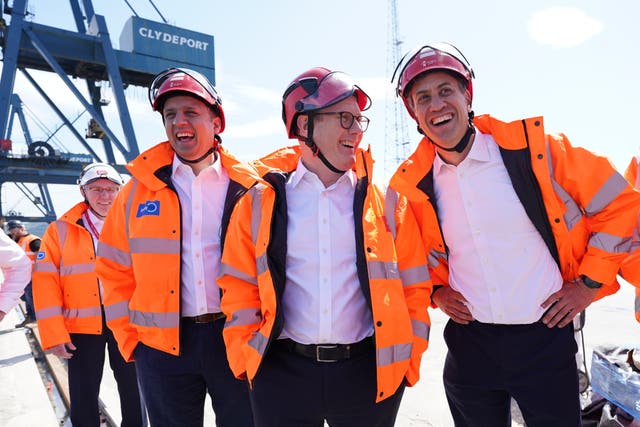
{"x": 146, "y": 47}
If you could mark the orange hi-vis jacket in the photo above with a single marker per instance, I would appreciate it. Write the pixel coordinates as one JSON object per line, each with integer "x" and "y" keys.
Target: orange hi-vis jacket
{"x": 583, "y": 209}
{"x": 25, "y": 243}
{"x": 393, "y": 277}
{"x": 630, "y": 268}
{"x": 139, "y": 254}
{"x": 66, "y": 293}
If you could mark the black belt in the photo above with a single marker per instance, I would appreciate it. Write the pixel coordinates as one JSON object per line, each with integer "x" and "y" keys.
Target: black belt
{"x": 328, "y": 352}
{"x": 204, "y": 318}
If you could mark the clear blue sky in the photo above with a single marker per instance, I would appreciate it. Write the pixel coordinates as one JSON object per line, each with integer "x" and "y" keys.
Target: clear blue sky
{"x": 573, "y": 62}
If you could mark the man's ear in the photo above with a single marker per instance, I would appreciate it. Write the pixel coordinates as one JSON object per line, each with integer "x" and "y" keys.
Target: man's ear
{"x": 411, "y": 105}
{"x": 302, "y": 121}
{"x": 217, "y": 124}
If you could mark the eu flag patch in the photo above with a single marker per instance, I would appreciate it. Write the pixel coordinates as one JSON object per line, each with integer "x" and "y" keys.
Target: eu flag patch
{"x": 150, "y": 207}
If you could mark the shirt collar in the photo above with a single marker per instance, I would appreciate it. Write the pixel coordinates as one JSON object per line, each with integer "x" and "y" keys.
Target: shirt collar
{"x": 303, "y": 174}
{"x": 178, "y": 167}
{"x": 96, "y": 220}
{"x": 479, "y": 152}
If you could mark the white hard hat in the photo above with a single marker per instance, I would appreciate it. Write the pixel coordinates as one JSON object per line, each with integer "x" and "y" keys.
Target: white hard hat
{"x": 97, "y": 171}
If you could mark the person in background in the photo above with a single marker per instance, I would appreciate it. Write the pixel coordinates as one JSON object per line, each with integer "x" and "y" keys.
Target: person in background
{"x": 68, "y": 299}
{"x": 30, "y": 244}
{"x": 16, "y": 273}
{"x": 326, "y": 314}
{"x": 159, "y": 256}
{"x": 523, "y": 232}
{"x": 630, "y": 269}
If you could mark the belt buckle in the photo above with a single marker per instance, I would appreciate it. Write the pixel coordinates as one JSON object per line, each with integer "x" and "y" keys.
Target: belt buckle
{"x": 326, "y": 347}
{"x": 200, "y": 319}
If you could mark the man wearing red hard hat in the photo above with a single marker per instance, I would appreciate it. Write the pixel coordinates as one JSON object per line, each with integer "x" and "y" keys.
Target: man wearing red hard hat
{"x": 325, "y": 291}
{"x": 523, "y": 232}
{"x": 159, "y": 256}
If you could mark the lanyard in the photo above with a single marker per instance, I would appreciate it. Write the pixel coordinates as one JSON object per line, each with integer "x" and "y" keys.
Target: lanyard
{"x": 92, "y": 228}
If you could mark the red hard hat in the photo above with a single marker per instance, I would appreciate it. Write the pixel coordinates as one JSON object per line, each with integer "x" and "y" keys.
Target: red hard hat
{"x": 315, "y": 89}
{"x": 188, "y": 82}
{"x": 439, "y": 56}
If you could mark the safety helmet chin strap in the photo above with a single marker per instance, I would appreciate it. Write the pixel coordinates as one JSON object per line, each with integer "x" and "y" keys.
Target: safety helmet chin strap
{"x": 314, "y": 148}
{"x": 464, "y": 141}
{"x": 214, "y": 147}
{"x": 94, "y": 211}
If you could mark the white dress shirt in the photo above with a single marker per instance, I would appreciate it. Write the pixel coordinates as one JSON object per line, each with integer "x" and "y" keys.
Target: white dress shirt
{"x": 16, "y": 272}
{"x": 202, "y": 202}
{"x": 497, "y": 258}
{"x": 323, "y": 302}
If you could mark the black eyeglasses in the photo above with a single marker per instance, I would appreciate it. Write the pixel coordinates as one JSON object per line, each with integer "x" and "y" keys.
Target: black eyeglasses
{"x": 347, "y": 119}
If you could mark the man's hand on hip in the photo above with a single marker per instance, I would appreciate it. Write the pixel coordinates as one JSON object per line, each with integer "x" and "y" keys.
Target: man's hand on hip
{"x": 567, "y": 303}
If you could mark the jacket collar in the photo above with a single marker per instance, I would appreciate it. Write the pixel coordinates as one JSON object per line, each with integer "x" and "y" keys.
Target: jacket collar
{"x": 286, "y": 160}
{"x": 147, "y": 165}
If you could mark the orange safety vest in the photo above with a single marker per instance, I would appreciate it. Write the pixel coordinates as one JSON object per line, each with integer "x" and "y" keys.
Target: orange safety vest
{"x": 66, "y": 295}
{"x": 393, "y": 276}
{"x": 139, "y": 252}
{"x": 583, "y": 209}
{"x": 630, "y": 268}
{"x": 25, "y": 243}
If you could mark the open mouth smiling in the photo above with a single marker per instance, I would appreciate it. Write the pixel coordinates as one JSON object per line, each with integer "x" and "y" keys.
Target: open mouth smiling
{"x": 441, "y": 119}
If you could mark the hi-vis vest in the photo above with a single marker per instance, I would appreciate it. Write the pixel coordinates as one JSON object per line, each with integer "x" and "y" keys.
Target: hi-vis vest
{"x": 25, "y": 243}
{"x": 393, "y": 276}
{"x": 139, "y": 252}
{"x": 66, "y": 296}
{"x": 583, "y": 209}
{"x": 630, "y": 268}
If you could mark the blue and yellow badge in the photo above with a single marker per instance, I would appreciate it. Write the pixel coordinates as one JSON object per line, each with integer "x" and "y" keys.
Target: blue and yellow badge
{"x": 150, "y": 207}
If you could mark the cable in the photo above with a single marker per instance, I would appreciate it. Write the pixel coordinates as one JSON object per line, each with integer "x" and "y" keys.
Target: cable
{"x": 130, "y": 7}
{"x": 154, "y": 6}
{"x": 584, "y": 359}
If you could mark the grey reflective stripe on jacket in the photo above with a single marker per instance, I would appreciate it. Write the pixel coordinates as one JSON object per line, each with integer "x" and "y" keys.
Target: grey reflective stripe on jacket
{"x": 396, "y": 353}
{"x": 412, "y": 275}
{"x": 245, "y": 316}
{"x": 139, "y": 245}
{"x": 259, "y": 343}
{"x": 420, "y": 329}
{"x": 261, "y": 262}
{"x": 390, "y": 203}
{"x": 65, "y": 271}
{"x": 609, "y": 191}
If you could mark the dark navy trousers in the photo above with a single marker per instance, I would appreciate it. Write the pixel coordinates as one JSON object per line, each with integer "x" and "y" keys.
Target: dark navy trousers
{"x": 291, "y": 390}
{"x": 175, "y": 387}
{"x": 85, "y": 374}
{"x": 488, "y": 364}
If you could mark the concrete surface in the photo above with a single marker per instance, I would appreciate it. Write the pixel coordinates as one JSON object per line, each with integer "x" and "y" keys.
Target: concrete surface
{"x": 23, "y": 400}
{"x": 23, "y": 396}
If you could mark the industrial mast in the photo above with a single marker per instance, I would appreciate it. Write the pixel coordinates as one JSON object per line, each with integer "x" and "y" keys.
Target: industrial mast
{"x": 397, "y": 144}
